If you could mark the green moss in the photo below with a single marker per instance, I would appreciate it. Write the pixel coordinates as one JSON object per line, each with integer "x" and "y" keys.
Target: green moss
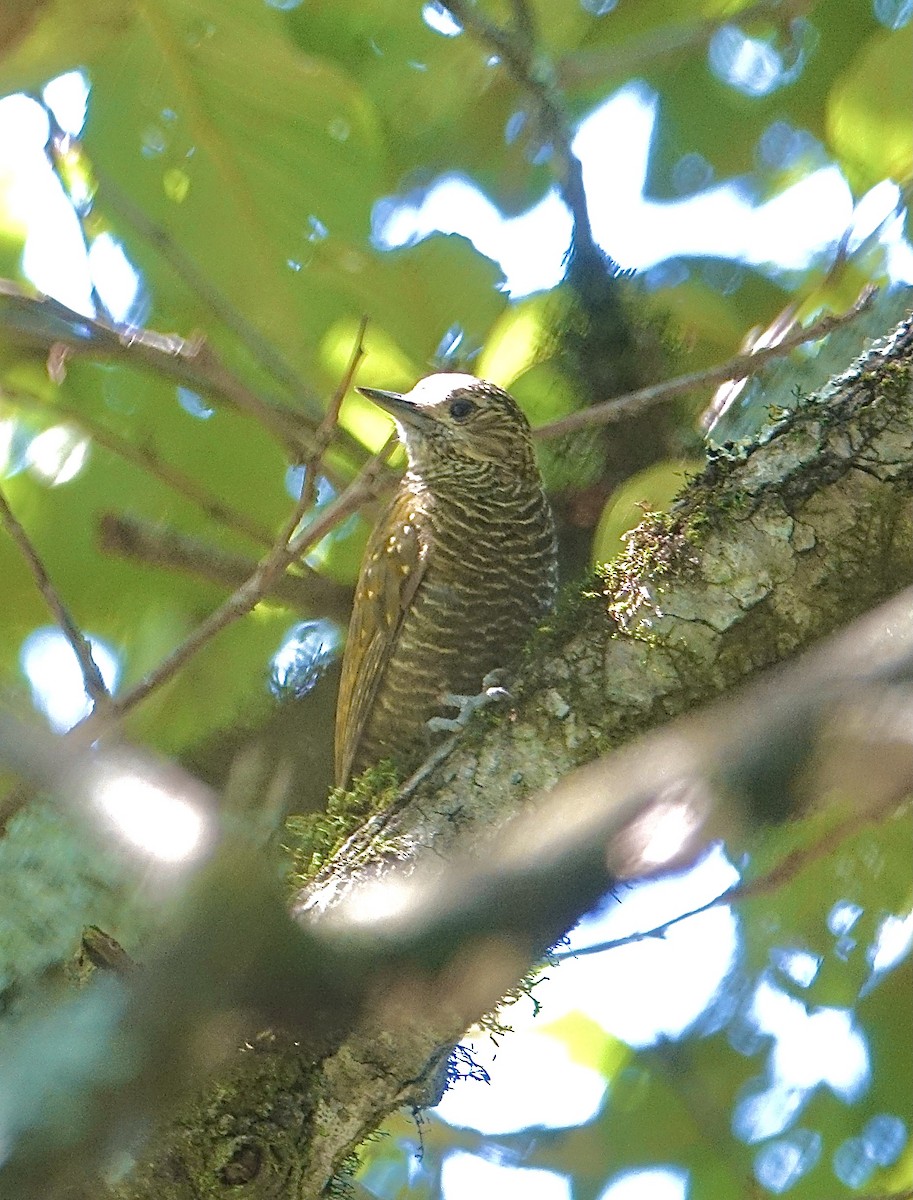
{"x": 246, "y": 1134}
{"x": 342, "y": 1185}
{"x": 894, "y": 379}
{"x": 703, "y": 510}
{"x": 313, "y": 839}
{"x": 570, "y": 614}
{"x": 656, "y": 549}
{"x": 494, "y": 1022}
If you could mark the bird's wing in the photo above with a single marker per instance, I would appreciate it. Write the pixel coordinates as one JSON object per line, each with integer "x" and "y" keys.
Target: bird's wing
{"x": 392, "y": 570}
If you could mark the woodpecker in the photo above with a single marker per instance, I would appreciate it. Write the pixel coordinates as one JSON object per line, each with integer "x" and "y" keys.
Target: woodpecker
{"x": 458, "y": 572}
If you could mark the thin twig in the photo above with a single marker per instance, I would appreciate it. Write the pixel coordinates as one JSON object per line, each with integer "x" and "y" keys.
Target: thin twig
{"x": 288, "y": 547}
{"x": 779, "y": 328}
{"x": 42, "y": 323}
{"x": 263, "y": 350}
{"x": 362, "y": 488}
{"x": 787, "y": 869}
{"x": 249, "y": 594}
{"x": 177, "y": 258}
{"x": 844, "y": 256}
{"x": 524, "y": 24}
{"x": 92, "y": 678}
{"x": 517, "y": 49}
{"x": 175, "y": 550}
{"x": 330, "y": 422}
{"x": 47, "y": 325}
{"x": 241, "y": 602}
{"x": 431, "y": 763}
{"x": 348, "y": 376}
{"x": 783, "y": 324}
{"x": 147, "y": 460}
{"x": 632, "y": 56}
{"x": 622, "y": 407}
{"x": 149, "y": 543}
{"x": 290, "y": 424}
{"x": 906, "y": 1194}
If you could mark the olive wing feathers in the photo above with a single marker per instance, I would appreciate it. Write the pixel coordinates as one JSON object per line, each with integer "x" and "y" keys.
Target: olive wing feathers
{"x": 395, "y": 560}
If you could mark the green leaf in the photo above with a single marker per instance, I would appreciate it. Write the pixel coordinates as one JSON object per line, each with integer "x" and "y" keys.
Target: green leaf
{"x": 650, "y": 490}
{"x": 868, "y": 126}
{"x": 267, "y": 188}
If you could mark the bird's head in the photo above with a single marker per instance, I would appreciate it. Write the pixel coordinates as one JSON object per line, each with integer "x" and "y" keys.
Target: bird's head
{"x": 449, "y": 421}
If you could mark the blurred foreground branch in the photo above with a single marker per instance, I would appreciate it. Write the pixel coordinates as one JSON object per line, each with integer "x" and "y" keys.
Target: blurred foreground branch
{"x": 94, "y": 684}
{"x": 422, "y": 953}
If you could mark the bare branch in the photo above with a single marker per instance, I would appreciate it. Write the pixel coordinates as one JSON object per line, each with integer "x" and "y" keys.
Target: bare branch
{"x": 517, "y": 48}
{"x": 92, "y": 679}
{"x": 770, "y": 881}
{"x": 153, "y": 464}
{"x": 524, "y": 24}
{"x": 621, "y": 407}
{"x": 265, "y": 576}
{"x": 368, "y": 484}
{"x": 47, "y": 325}
{"x": 241, "y": 602}
{"x": 250, "y": 593}
{"x": 330, "y": 420}
{"x": 145, "y": 542}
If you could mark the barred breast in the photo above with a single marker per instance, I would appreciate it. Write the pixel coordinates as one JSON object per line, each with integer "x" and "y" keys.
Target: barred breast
{"x": 489, "y": 579}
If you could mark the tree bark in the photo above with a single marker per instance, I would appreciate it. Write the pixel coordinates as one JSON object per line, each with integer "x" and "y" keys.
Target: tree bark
{"x": 776, "y": 545}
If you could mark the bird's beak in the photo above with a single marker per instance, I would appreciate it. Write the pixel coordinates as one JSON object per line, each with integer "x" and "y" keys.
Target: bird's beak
{"x": 396, "y": 404}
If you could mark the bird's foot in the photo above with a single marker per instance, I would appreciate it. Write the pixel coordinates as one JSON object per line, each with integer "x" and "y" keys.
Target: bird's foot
{"x": 493, "y": 692}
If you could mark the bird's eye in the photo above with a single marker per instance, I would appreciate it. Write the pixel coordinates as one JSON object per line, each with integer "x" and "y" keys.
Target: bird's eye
{"x": 461, "y": 408}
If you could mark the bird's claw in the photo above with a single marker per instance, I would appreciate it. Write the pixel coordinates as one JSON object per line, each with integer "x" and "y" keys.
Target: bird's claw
{"x": 493, "y": 692}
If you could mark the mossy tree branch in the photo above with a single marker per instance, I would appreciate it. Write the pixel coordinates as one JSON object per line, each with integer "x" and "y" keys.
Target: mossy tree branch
{"x": 776, "y": 545}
